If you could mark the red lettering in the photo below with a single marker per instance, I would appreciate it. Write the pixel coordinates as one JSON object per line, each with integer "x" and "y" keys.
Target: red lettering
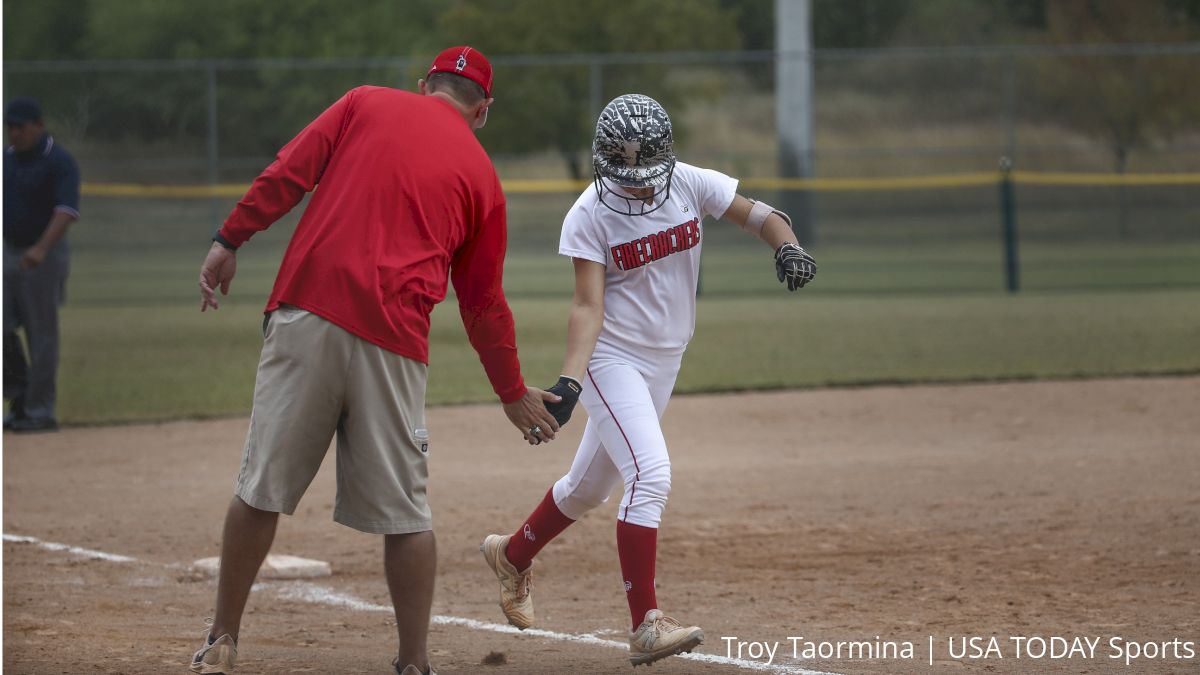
{"x": 664, "y": 243}
{"x": 639, "y": 252}
{"x": 631, "y": 256}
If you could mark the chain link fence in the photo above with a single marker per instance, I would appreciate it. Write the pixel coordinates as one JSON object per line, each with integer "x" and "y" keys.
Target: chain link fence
{"x": 878, "y": 115}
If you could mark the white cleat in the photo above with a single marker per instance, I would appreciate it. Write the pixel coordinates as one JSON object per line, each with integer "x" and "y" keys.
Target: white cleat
{"x": 216, "y": 657}
{"x": 411, "y": 669}
{"x": 515, "y": 599}
{"x": 660, "y": 636}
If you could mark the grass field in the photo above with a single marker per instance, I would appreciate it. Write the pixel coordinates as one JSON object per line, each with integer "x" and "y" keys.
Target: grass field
{"x": 905, "y": 293}
{"x": 162, "y": 361}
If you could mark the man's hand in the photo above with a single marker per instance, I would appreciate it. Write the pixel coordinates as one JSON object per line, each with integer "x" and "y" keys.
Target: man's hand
{"x": 32, "y": 257}
{"x": 529, "y": 414}
{"x": 218, "y": 269}
{"x": 794, "y": 265}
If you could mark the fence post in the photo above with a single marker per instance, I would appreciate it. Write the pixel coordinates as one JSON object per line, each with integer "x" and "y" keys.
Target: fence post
{"x": 1008, "y": 216}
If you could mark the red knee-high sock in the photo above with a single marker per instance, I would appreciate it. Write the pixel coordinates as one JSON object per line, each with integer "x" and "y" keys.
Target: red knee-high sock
{"x": 545, "y": 523}
{"x": 637, "y": 547}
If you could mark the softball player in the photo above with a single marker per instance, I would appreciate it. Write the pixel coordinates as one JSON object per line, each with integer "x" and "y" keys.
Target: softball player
{"x": 635, "y": 240}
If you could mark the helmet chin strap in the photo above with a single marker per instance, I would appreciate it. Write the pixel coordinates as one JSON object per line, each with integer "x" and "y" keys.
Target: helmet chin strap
{"x": 629, "y": 203}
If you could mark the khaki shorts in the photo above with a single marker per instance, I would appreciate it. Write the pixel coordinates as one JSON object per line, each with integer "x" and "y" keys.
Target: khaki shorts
{"x": 316, "y": 380}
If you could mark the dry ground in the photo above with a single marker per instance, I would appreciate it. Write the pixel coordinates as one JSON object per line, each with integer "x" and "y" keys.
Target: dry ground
{"x": 1047, "y": 509}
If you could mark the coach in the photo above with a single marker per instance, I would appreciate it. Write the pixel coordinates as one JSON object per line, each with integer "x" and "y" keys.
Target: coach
{"x": 407, "y": 197}
{"x": 41, "y": 200}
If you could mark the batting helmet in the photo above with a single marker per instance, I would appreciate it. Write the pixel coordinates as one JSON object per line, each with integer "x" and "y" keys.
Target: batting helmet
{"x": 633, "y": 148}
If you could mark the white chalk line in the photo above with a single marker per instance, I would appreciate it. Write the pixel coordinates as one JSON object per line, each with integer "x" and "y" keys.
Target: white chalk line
{"x": 73, "y": 550}
{"x": 320, "y": 595}
{"x": 308, "y": 592}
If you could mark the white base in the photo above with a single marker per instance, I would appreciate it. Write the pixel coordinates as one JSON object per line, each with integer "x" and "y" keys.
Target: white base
{"x": 275, "y": 567}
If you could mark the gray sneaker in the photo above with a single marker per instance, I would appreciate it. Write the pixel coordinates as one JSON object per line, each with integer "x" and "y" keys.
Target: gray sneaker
{"x": 216, "y": 657}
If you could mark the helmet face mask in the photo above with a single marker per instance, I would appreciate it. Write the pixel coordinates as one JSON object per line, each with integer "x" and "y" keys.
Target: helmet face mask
{"x": 633, "y": 149}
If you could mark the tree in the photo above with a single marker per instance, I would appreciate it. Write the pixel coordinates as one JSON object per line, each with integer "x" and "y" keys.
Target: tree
{"x": 45, "y": 30}
{"x": 546, "y": 107}
{"x": 856, "y": 23}
{"x": 260, "y": 108}
{"x": 1128, "y": 100}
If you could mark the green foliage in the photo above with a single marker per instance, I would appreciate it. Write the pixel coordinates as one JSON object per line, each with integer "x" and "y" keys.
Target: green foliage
{"x": 1187, "y": 10}
{"x": 550, "y": 108}
{"x": 856, "y": 23}
{"x": 138, "y": 29}
{"x": 47, "y": 29}
{"x": 755, "y": 22}
{"x": 1128, "y": 101}
{"x": 260, "y": 108}
{"x": 949, "y": 23}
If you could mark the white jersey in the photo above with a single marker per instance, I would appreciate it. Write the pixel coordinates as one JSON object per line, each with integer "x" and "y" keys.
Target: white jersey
{"x": 652, "y": 260}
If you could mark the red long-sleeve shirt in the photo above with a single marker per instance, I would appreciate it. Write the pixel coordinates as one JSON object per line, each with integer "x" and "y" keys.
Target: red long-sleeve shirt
{"x": 406, "y": 194}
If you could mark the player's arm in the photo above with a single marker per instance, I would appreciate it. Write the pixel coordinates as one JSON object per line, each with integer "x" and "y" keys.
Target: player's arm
{"x": 583, "y": 329}
{"x": 586, "y": 318}
{"x": 793, "y": 265}
{"x": 771, "y": 227}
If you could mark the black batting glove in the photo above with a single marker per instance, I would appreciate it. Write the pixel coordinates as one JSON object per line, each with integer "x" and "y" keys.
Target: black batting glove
{"x": 794, "y": 265}
{"x": 569, "y": 389}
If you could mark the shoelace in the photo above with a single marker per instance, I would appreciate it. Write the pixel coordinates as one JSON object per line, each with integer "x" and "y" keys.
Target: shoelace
{"x": 666, "y": 624}
{"x": 524, "y": 584}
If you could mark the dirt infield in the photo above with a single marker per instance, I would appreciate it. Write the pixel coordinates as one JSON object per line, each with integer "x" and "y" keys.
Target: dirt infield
{"x": 886, "y": 515}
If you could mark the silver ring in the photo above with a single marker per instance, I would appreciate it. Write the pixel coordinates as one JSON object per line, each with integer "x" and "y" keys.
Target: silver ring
{"x": 535, "y": 430}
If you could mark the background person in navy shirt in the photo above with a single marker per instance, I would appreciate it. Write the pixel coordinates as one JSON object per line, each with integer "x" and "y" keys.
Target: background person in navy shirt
{"x": 41, "y": 199}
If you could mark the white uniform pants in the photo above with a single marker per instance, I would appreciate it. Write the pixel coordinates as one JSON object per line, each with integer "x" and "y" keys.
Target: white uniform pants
{"x": 625, "y": 393}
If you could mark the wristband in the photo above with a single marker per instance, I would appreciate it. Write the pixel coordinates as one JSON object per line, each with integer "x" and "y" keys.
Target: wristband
{"x": 217, "y": 237}
{"x": 572, "y": 383}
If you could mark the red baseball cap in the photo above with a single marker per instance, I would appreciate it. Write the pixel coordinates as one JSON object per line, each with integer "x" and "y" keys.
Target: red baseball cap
{"x": 466, "y": 61}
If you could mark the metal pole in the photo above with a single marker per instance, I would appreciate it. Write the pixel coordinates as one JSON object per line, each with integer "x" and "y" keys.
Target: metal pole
{"x": 210, "y": 69}
{"x": 1008, "y": 211}
{"x": 794, "y": 107}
